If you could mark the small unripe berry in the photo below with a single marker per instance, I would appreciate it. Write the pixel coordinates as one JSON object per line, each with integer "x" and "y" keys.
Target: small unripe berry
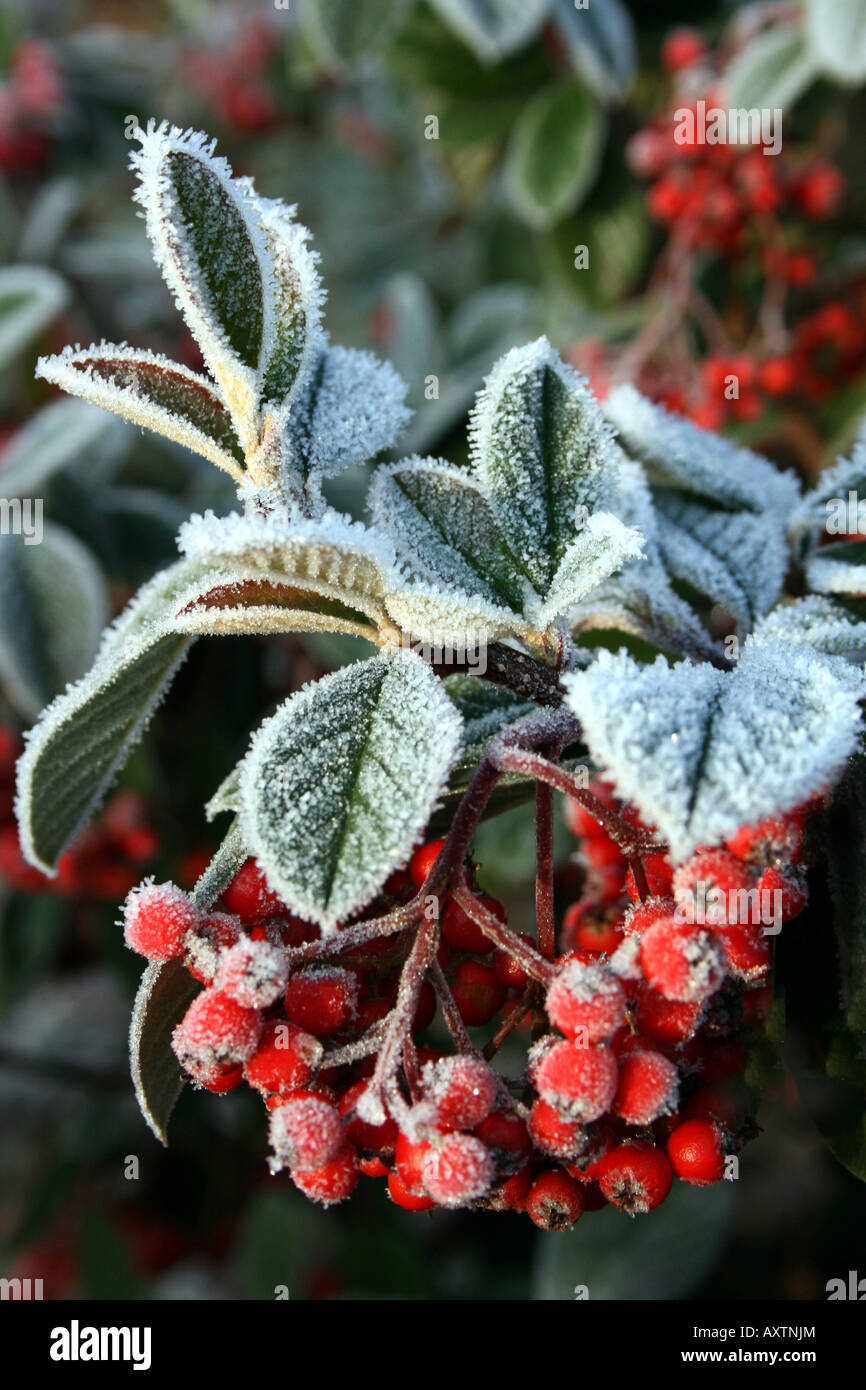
{"x": 681, "y": 961}
{"x": 156, "y": 919}
{"x": 322, "y": 999}
{"x": 554, "y": 1201}
{"x": 696, "y": 1153}
{"x": 462, "y": 1089}
{"x": 586, "y": 1001}
{"x": 635, "y": 1176}
{"x": 333, "y": 1182}
{"x": 253, "y": 972}
{"x": 304, "y": 1133}
{"x": 457, "y": 1171}
{"x": 285, "y": 1058}
{"x": 649, "y": 1086}
{"x": 578, "y": 1082}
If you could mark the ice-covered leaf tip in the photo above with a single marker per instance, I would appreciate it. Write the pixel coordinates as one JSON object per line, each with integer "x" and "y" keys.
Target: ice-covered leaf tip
{"x": 276, "y": 404}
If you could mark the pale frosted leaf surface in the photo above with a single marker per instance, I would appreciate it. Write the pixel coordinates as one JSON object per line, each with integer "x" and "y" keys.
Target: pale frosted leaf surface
{"x": 837, "y": 569}
{"x": 444, "y": 530}
{"x": 442, "y": 614}
{"x": 833, "y": 486}
{"x": 678, "y": 454}
{"x": 293, "y": 297}
{"x": 737, "y": 559}
{"x": 222, "y": 868}
{"x": 153, "y": 393}
{"x": 227, "y": 796}
{"x": 485, "y": 708}
{"x": 60, "y": 434}
{"x": 493, "y": 28}
{"x": 353, "y": 407}
{"x": 601, "y": 547}
{"x": 31, "y": 297}
{"x": 543, "y": 453}
{"x": 339, "y": 784}
{"x": 701, "y": 751}
{"x": 818, "y": 623}
{"x": 164, "y": 995}
{"x": 601, "y": 42}
{"x": 84, "y": 736}
{"x": 53, "y": 607}
{"x": 234, "y": 599}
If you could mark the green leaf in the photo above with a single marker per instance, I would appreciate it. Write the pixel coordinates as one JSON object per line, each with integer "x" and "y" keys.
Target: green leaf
{"x": 59, "y": 435}
{"x": 835, "y": 31}
{"x": 493, "y": 28}
{"x": 164, "y": 995}
{"x": 773, "y": 70}
{"x": 555, "y": 153}
{"x": 53, "y": 607}
{"x": 485, "y": 708}
{"x": 601, "y": 41}
{"x": 31, "y": 298}
{"x": 84, "y": 738}
{"x": 666, "y": 1256}
{"x": 348, "y": 30}
{"x": 339, "y": 784}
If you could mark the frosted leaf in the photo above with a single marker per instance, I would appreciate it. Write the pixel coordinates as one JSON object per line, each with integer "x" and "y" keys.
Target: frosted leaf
{"x": 239, "y": 268}
{"x": 153, "y": 393}
{"x": 58, "y": 435}
{"x": 602, "y": 546}
{"x": 817, "y": 623}
{"x": 493, "y": 28}
{"x": 254, "y": 601}
{"x": 226, "y": 797}
{"x": 678, "y": 454}
{"x": 600, "y": 38}
{"x": 441, "y": 615}
{"x": 338, "y": 785}
{"x": 543, "y": 454}
{"x": 53, "y": 607}
{"x": 164, "y": 995}
{"x": 701, "y": 752}
{"x": 445, "y": 531}
{"x": 31, "y": 297}
{"x": 485, "y": 709}
{"x": 736, "y": 559}
{"x": 84, "y": 737}
{"x": 838, "y": 569}
{"x": 351, "y": 409}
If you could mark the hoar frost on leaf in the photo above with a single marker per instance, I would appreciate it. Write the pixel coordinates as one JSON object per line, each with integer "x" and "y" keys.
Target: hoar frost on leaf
{"x": 701, "y": 751}
{"x": 817, "y": 623}
{"x": 493, "y": 28}
{"x": 339, "y": 784}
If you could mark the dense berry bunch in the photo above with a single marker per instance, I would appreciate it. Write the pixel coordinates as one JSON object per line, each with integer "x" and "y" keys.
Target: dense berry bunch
{"x": 634, "y": 1075}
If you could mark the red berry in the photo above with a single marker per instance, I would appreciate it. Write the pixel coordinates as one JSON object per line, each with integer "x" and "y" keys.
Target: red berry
{"x": 778, "y": 377}
{"x": 642, "y": 915}
{"x": 695, "y": 1151}
{"x": 682, "y": 962}
{"x": 555, "y": 1201}
{"x": 579, "y": 1082}
{"x": 463, "y": 1090}
{"x": 553, "y": 1134}
{"x": 156, "y": 918}
{"x": 649, "y": 1086}
{"x": 769, "y": 841}
{"x": 747, "y": 952}
{"x": 401, "y": 1195}
{"x": 376, "y": 1139}
{"x": 511, "y": 1194}
{"x": 820, "y": 191}
{"x": 409, "y": 1158}
{"x": 214, "y": 1033}
{"x": 667, "y": 1020}
{"x": 249, "y": 897}
{"x": 712, "y": 888}
{"x": 506, "y": 968}
{"x": 792, "y": 895}
{"x": 659, "y": 876}
{"x": 422, "y": 861}
{"x": 477, "y": 992}
{"x": 333, "y": 1182}
{"x": 599, "y": 852}
{"x": 682, "y": 48}
{"x": 224, "y": 1081}
{"x": 253, "y": 972}
{"x": 462, "y": 934}
{"x": 305, "y": 1133}
{"x": 507, "y": 1138}
{"x": 457, "y": 1171}
{"x": 635, "y": 1176}
{"x": 586, "y": 1002}
{"x": 285, "y": 1058}
{"x": 322, "y": 999}
{"x": 205, "y": 944}
{"x": 582, "y": 822}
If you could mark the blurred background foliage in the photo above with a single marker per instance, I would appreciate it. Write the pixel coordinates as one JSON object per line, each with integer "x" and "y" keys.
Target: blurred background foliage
{"x": 451, "y": 160}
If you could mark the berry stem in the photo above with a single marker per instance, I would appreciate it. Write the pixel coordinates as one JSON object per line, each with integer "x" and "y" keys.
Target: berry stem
{"x": 529, "y": 999}
{"x": 544, "y": 923}
{"x": 640, "y": 878}
{"x": 528, "y": 958}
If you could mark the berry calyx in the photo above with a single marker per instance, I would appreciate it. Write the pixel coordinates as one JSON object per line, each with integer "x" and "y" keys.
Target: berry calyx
{"x": 635, "y": 1176}
{"x": 554, "y": 1201}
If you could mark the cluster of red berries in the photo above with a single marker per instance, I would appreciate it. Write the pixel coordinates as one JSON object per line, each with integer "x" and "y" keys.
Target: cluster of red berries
{"x": 30, "y": 98}
{"x": 106, "y": 861}
{"x": 634, "y": 1075}
{"x": 232, "y": 79}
